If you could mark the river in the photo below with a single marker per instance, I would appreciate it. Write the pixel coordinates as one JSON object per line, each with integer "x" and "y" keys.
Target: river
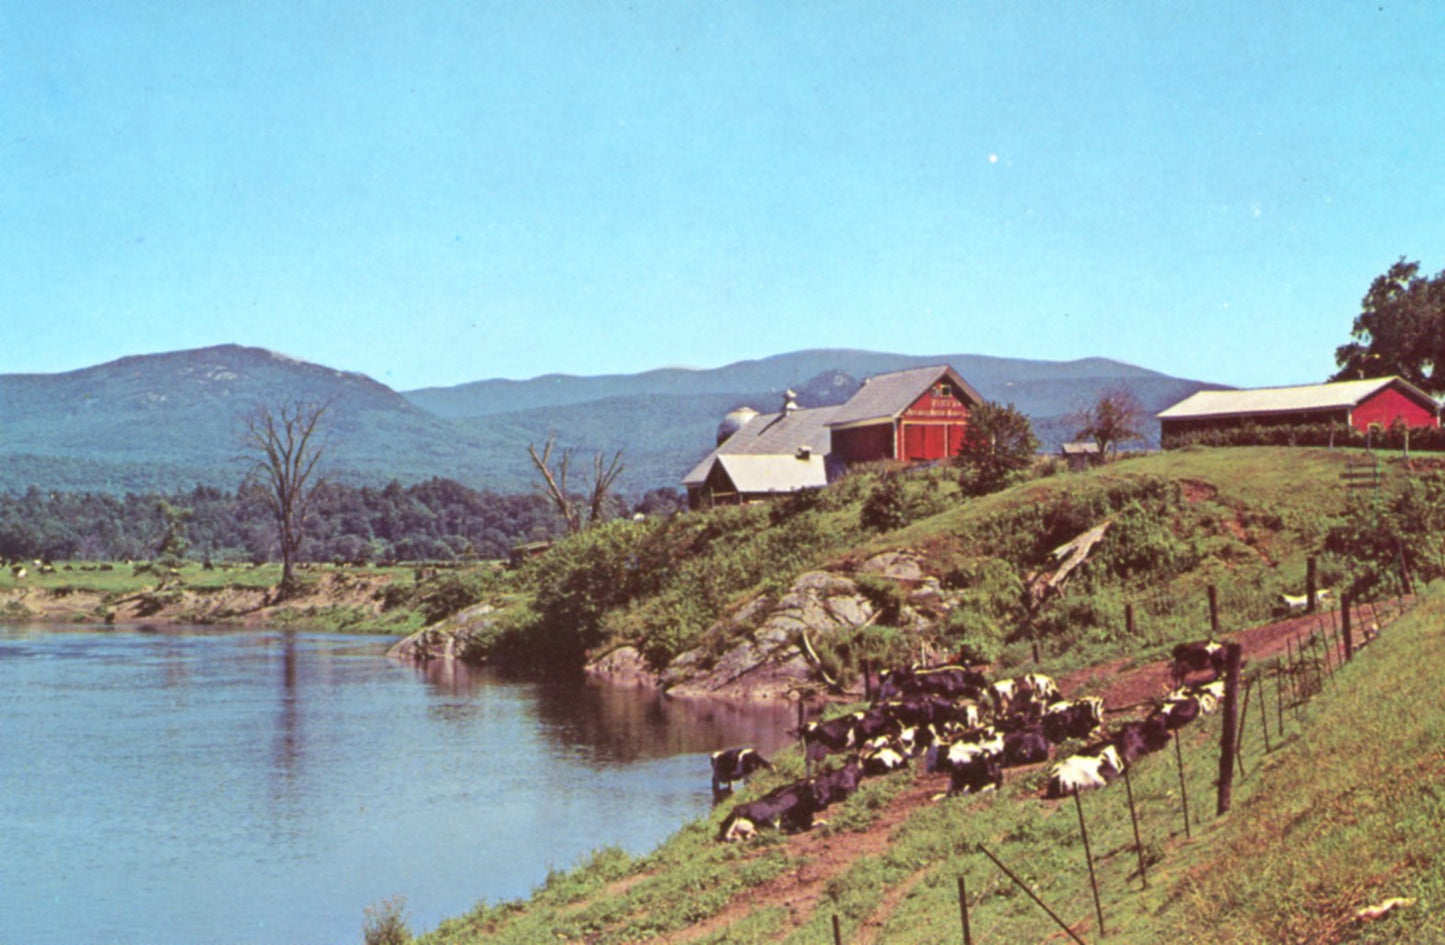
{"x": 192, "y": 785}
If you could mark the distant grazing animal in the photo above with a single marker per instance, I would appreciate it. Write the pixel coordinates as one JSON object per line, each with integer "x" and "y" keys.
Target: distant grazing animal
{"x": 1033, "y": 690}
{"x": 1189, "y": 658}
{"x": 823, "y": 738}
{"x": 1084, "y": 772}
{"x": 883, "y": 760}
{"x": 1295, "y": 603}
{"x": 1076, "y": 719}
{"x": 1141, "y": 738}
{"x": 954, "y": 681}
{"x": 1024, "y": 748}
{"x": 791, "y": 807}
{"x": 837, "y": 785}
{"x": 1178, "y": 712}
{"x": 17, "y": 571}
{"x": 734, "y": 764}
{"x": 971, "y": 768}
{"x": 1209, "y": 695}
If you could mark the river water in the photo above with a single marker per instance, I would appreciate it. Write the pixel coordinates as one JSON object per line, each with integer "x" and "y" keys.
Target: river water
{"x": 188, "y": 785}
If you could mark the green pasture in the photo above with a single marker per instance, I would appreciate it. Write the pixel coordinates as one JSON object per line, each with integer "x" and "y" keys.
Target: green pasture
{"x": 1341, "y": 812}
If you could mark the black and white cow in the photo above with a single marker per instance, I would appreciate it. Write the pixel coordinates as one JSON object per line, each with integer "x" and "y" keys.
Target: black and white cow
{"x": 1024, "y": 694}
{"x": 1141, "y": 738}
{"x": 1178, "y": 712}
{"x": 837, "y": 785}
{"x": 734, "y": 764}
{"x": 1024, "y": 748}
{"x": 1196, "y": 657}
{"x": 790, "y": 808}
{"x": 952, "y": 681}
{"x": 1084, "y": 772}
{"x": 1076, "y": 719}
{"x": 972, "y": 767}
{"x": 821, "y": 739}
{"x": 883, "y": 759}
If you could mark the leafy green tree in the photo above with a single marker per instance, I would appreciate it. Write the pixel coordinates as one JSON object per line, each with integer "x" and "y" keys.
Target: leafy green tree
{"x": 1000, "y": 443}
{"x": 174, "y": 544}
{"x": 1400, "y": 330}
{"x": 1115, "y": 417}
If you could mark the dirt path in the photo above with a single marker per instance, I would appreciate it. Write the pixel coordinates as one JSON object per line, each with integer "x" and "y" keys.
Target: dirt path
{"x": 819, "y": 858}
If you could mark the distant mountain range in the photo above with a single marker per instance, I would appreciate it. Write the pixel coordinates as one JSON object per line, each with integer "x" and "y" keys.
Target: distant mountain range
{"x": 173, "y": 420}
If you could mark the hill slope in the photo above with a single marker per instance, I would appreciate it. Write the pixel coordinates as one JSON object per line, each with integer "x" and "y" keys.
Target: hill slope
{"x": 166, "y": 421}
{"x": 1299, "y": 854}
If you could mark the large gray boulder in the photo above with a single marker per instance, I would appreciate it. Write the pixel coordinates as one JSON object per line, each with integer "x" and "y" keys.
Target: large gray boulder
{"x": 447, "y": 639}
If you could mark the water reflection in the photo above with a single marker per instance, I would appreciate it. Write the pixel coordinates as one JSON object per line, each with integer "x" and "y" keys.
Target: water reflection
{"x": 610, "y": 724}
{"x": 175, "y": 786}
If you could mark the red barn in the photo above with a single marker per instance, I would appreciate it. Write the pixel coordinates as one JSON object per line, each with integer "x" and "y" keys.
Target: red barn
{"x": 1380, "y": 401}
{"x": 917, "y": 415}
{"x": 912, "y": 416}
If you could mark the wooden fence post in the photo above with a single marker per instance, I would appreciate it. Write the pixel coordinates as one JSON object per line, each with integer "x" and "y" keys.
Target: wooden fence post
{"x": 1239, "y": 737}
{"x": 1213, "y": 612}
{"x": 1310, "y": 575}
{"x": 1089, "y": 857}
{"x": 1134, "y": 817}
{"x": 1279, "y": 697}
{"x": 963, "y": 910}
{"x": 1231, "y": 728}
{"x": 1183, "y": 788}
{"x": 1264, "y": 711}
{"x": 1129, "y": 620}
{"x": 1345, "y": 601}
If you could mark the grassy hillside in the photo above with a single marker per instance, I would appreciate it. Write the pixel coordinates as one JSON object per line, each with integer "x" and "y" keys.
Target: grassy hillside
{"x": 1341, "y": 812}
{"x": 1242, "y": 520}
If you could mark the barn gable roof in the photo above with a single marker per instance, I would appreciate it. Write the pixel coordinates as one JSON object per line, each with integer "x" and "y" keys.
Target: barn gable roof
{"x": 1340, "y": 395}
{"x": 772, "y": 473}
{"x": 887, "y": 396}
{"x": 774, "y": 435}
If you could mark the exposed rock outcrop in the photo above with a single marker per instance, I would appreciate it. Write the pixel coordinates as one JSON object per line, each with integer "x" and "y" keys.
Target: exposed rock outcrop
{"x": 770, "y": 661}
{"x": 448, "y": 639}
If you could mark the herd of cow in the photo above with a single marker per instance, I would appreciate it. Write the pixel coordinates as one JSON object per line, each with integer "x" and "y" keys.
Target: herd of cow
{"x": 960, "y": 724}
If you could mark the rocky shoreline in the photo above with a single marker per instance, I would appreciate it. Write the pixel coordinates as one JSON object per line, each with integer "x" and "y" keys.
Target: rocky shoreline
{"x": 765, "y": 651}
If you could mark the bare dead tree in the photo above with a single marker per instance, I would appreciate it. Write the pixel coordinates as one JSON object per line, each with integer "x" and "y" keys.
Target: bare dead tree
{"x": 282, "y": 439}
{"x": 554, "y": 484}
{"x": 602, "y": 482}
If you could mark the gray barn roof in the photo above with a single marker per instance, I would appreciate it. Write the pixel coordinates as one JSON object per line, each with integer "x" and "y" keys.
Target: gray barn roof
{"x": 1341, "y": 395}
{"x": 886, "y": 396}
{"x": 773, "y": 435}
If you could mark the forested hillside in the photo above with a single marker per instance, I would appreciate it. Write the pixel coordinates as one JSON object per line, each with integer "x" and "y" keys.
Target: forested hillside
{"x": 436, "y": 520}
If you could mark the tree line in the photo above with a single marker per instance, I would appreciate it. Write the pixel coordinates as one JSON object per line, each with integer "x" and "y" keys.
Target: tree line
{"x": 439, "y": 519}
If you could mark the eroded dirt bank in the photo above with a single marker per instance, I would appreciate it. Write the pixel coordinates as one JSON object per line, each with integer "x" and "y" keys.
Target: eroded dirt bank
{"x": 179, "y": 603}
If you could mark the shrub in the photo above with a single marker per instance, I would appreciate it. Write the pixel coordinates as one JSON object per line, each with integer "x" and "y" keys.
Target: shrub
{"x": 385, "y": 923}
{"x": 886, "y": 508}
{"x": 452, "y": 591}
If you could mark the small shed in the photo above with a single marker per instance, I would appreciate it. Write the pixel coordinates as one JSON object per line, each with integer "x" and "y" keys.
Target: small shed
{"x": 1080, "y": 455}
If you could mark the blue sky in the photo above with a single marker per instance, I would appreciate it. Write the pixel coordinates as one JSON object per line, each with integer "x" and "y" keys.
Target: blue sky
{"x": 433, "y": 193}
